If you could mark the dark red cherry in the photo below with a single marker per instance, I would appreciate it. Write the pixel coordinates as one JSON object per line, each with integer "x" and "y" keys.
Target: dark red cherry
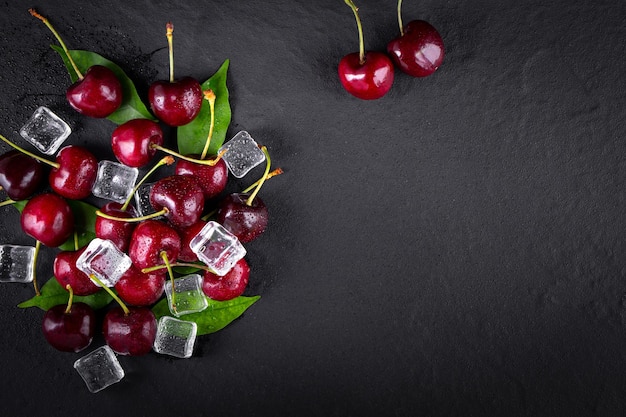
{"x": 69, "y": 331}
{"x": 149, "y": 239}
{"x": 66, "y": 273}
{"x": 20, "y": 175}
{"x": 182, "y": 196}
{"x": 245, "y": 221}
{"x": 186, "y": 235}
{"x": 139, "y": 289}
{"x": 48, "y": 218}
{"x": 419, "y": 50}
{"x": 118, "y": 232}
{"x": 229, "y": 286}
{"x": 97, "y": 94}
{"x": 212, "y": 179}
{"x": 130, "y": 334}
{"x": 176, "y": 103}
{"x": 368, "y": 80}
{"x": 132, "y": 141}
{"x": 76, "y": 171}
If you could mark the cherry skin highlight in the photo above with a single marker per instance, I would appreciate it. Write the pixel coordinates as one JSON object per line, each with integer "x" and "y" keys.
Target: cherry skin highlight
{"x": 69, "y": 332}
{"x": 67, "y": 273}
{"x": 245, "y": 221}
{"x": 368, "y": 80}
{"x": 118, "y": 232}
{"x": 20, "y": 174}
{"x": 176, "y": 103}
{"x": 132, "y": 142}
{"x": 138, "y": 289}
{"x": 182, "y": 196}
{"x": 76, "y": 174}
{"x": 149, "y": 239}
{"x": 98, "y": 94}
{"x": 419, "y": 51}
{"x": 212, "y": 179}
{"x": 130, "y": 334}
{"x": 229, "y": 286}
{"x": 48, "y": 218}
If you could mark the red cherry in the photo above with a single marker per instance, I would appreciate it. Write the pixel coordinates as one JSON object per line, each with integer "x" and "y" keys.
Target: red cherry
{"x": 212, "y": 179}
{"x": 97, "y": 94}
{"x": 369, "y": 79}
{"x": 132, "y": 141}
{"x": 118, "y": 232}
{"x": 130, "y": 334}
{"x": 75, "y": 173}
{"x": 48, "y": 218}
{"x": 419, "y": 50}
{"x": 20, "y": 175}
{"x": 229, "y": 286}
{"x": 186, "y": 235}
{"x": 149, "y": 239}
{"x": 139, "y": 289}
{"x": 246, "y": 221}
{"x": 66, "y": 273}
{"x": 69, "y": 331}
{"x": 176, "y": 103}
{"x": 182, "y": 196}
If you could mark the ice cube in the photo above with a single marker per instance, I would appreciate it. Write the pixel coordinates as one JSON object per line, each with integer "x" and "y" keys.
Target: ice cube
{"x": 99, "y": 369}
{"x": 242, "y": 154}
{"x": 45, "y": 130}
{"x": 218, "y": 248}
{"x": 115, "y": 181}
{"x": 142, "y": 200}
{"x": 188, "y": 295}
{"x": 104, "y": 260}
{"x": 16, "y": 263}
{"x": 175, "y": 337}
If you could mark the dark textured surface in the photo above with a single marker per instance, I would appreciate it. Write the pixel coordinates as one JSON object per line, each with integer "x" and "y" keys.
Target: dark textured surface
{"x": 455, "y": 248}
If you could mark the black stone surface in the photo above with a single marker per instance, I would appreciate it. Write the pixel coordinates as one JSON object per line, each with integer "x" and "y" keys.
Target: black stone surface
{"x": 454, "y": 248}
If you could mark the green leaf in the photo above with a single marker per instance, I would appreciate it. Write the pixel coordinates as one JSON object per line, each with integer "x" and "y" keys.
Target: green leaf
{"x": 53, "y": 294}
{"x": 215, "y": 317}
{"x": 84, "y": 222}
{"x": 192, "y": 136}
{"x": 132, "y": 107}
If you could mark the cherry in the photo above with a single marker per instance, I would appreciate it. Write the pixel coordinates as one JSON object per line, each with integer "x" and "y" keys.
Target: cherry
{"x": 20, "y": 175}
{"x": 139, "y": 289}
{"x": 212, "y": 179}
{"x": 118, "y": 232}
{"x": 186, "y": 235}
{"x": 229, "y": 286}
{"x": 66, "y": 273}
{"x": 132, "y": 141}
{"x": 419, "y": 50}
{"x": 150, "y": 241}
{"x": 246, "y": 221}
{"x": 367, "y": 76}
{"x": 97, "y": 93}
{"x": 69, "y": 328}
{"x": 48, "y": 218}
{"x": 175, "y": 102}
{"x": 181, "y": 197}
{"x": 131, "y": 331}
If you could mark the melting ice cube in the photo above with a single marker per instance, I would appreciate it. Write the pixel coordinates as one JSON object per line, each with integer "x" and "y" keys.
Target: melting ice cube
{"x": 45, "y": 130}
{"x": 242, "y": 154}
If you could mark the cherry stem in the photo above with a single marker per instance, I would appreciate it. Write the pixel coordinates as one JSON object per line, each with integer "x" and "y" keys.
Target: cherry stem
{"x": 275, "y": 172}
{"x": 32, "y": 155}
{"x": 207, "y": 216}
{"x": 168, "y": 160}
{"x": 171, "y": 274}
{"x": 400, "y": 17}
{"x": 169, "y": 33}
{"x": 355, "y": 10}
{"x": 263, "y": 178}
{"x": 75, "y": 241}
{"x": 209, "y": 96}
{"x": 7, "y": 202}
{"x": 69, "y": 289}
{"x": 159, "y": 213}
{"x": 209, "y": 162}
{"x": 34, "y": 13}
{"x": 111, "y": 293}
{"x": 183, "y": 264}
{"x": 36, "y": 255}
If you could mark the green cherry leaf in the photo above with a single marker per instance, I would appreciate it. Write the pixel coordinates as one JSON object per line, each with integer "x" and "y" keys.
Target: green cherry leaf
{"x": 132, "y": 107}
{"x": 215, "y": 317}
{"x": 192, "y": 136}
{"x": 53, "y": 294}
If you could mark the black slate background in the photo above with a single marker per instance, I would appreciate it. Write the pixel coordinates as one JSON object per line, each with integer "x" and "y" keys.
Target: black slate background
{"x": 455, "y": 248}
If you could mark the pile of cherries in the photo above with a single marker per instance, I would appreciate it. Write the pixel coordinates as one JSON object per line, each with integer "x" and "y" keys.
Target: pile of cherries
{"x": 154, "y": 244}
{"x": 418, "y": 52}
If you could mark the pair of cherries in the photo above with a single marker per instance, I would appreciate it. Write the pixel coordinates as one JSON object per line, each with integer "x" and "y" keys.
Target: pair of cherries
{"x": 418, "y": 51}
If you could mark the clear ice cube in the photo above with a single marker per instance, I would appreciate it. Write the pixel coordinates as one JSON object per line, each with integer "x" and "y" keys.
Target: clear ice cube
{"x": 188, "y": 296}
{"x": 242, "y": 154}
{"x": 45, "y": 130}
{"x": 218, "y": 248}
{"x": 115, "y": 181}
{"x": 16, "y": 263}
{"x": 99, "y": 369}
{"x": 175, "y": 337}
{"x": 142, "y": 200}
{"x": 104, "y": 260}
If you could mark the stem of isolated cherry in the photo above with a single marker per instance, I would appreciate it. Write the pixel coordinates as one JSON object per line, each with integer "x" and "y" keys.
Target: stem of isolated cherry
{"x": 45, "y": 21}
{"x": 263, "y": 178}
{"x": 274, "y": 173}
{"x": 400, "y": 17}
{"x": 209, "y": 162}
{"x": 355, "y": 10}
{"x": 169, "y": 33}
{"x": 166, "y": 261}
{"x": 69, "y": 289}
{"x": 111, "y": 293}
{"x": 32, "y": 155}
{"x": 168, "y": 160}
{"x": 35, "y": 286}
{"x": 209, "y": 96}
